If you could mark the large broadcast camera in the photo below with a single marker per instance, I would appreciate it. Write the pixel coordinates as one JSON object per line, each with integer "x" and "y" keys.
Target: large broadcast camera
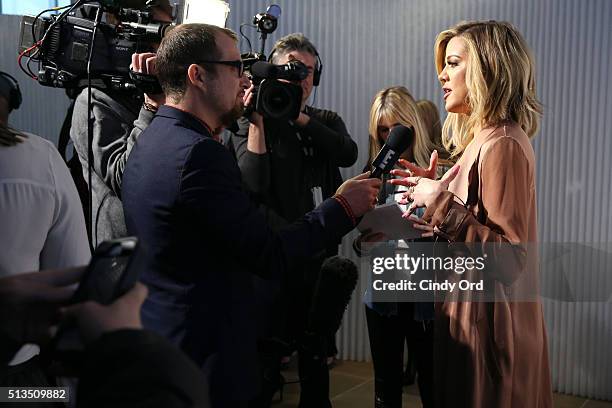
{"x": 68, "y": 45}
{"x": 65, "y": 44}
{"x": 275, "y": 98}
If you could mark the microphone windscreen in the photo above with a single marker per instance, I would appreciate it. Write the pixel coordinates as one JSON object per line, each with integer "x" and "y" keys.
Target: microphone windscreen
{"x": 337, "y": 280}
{"x": 400, "y": 138}
{"x": 263, "y": 69}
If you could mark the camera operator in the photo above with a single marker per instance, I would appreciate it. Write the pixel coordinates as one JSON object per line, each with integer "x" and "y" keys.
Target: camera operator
{"x": 119, "y": 118}
{"x": 290, "y": 167}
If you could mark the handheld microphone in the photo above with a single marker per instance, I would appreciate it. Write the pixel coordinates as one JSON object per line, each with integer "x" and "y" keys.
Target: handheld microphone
{"x": 335, "y": 285}
{"x": 398, "y": 141}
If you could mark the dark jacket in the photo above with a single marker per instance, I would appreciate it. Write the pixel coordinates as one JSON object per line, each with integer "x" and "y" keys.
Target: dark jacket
{"x": 137, "y": 368}
{"x": 281, "y": 181}
{"x": 183, "y": 197}
{"x": 123, "y": 368}
{"x": 118, "y": 121}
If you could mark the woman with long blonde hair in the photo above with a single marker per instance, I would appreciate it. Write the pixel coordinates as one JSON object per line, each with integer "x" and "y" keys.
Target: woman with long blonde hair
{"x": 395, "y": 106}
{"x": 487, "y": 354}
{"x": 389, "y": 324}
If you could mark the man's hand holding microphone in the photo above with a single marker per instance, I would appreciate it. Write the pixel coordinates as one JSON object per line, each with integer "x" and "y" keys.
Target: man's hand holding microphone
{"x": 358, "y": 194}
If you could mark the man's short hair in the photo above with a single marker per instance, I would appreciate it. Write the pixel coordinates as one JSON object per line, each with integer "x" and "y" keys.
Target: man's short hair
{"x": 293, "y": 42}
{"x": 182, "y": 46}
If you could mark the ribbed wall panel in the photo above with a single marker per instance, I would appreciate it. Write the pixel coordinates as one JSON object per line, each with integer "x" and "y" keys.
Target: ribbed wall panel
{"x": 368, "y": 45}
{"x": 43, "y": 108}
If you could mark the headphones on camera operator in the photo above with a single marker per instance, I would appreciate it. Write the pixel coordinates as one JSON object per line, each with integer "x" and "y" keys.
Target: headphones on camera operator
{"x": 318, "y": 69}
{"x": 15, "y": 97}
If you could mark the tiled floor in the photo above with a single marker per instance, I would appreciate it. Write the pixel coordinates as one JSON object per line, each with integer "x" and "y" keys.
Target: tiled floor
{"x": 352, "y": 386}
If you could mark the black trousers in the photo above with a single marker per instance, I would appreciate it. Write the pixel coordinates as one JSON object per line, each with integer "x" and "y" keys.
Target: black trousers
{"x": 387, "y": 335}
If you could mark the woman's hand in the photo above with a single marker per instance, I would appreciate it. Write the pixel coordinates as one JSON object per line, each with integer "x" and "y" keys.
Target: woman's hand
{"x": 423, "y": 191}
{"x": 415, "y": 171}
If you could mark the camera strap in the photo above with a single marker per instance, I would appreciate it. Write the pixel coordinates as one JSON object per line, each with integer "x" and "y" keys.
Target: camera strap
{"x": 306, "y": 142}
{"x": 310, "y": 173}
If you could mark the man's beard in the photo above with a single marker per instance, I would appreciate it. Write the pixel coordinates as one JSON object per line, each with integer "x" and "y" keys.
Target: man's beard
{"x": 230, "y": 117}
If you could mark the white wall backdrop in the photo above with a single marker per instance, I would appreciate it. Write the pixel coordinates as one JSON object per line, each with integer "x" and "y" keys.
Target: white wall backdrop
{"x": 370, "y": 44}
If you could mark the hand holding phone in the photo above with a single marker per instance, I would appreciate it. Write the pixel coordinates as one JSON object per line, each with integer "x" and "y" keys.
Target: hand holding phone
{"x": 97, "y": 302}
{"x": 94, "y": 319}
{"x": 111, "y": 272}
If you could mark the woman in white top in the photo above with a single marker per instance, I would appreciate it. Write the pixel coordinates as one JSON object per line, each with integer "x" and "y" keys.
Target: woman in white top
{"x": 41, "y": 220}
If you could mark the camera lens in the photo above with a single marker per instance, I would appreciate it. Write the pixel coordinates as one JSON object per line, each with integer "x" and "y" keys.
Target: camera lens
{"x": 276, "y": 100}
{"x": 279, "y": 100}
{"x": 268, "y": 24}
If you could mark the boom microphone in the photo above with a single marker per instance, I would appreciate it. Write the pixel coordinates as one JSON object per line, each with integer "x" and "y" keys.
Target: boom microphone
{"x": 293, "y": 70}
{"x": 332, "y": 293}
{"x": 398, "y": 141}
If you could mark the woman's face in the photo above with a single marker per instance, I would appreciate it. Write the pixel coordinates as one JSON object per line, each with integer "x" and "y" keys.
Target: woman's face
{"x": 384, "y": 128}
{"x": 452, "y": 77}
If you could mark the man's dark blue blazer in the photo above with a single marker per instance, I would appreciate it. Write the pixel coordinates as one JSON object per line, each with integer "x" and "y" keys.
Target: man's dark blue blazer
{"x": 183, "y": 198}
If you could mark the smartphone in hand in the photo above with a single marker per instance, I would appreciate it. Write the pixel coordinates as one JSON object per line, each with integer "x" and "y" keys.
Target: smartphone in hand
{"x": 112, "y": 271}
{"x": 109, "y": 274}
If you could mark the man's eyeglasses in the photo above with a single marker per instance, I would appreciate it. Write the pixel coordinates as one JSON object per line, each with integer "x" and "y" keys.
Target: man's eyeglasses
{"x": 238, "y": 64}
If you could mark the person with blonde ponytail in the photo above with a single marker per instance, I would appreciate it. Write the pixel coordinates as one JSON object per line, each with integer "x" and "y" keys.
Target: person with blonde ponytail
{"x": 487, "y": 354}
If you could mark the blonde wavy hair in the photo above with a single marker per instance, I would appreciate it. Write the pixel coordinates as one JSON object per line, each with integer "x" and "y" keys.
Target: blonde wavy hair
{"x": 396, "y": 105}
{"x": 500, "y": 79}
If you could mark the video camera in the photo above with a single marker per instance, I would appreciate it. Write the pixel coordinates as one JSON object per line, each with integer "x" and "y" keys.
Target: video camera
{"x": 274, "y": 98}
{"x": 65, "y": 44}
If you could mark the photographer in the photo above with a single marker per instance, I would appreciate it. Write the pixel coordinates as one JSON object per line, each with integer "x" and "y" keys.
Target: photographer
{"x": 289, "y": 167}
{"x": 119, "y": 118}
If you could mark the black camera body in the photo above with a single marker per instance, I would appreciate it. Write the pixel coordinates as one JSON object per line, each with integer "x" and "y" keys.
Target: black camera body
{"x": 63, "y": 55}
{"x": 276, "y": 98}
